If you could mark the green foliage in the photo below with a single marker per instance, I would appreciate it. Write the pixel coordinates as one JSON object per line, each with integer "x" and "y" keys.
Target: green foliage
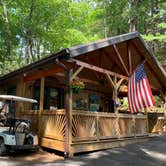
{"x": 32, "y": 29}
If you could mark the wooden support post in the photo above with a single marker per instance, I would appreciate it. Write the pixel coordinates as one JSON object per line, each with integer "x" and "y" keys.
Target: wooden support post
{"x": 147, "y": 123}
{"x": 68, "y": 136}
{"x": 76, "y": 73}
{"x": 97, "y": 127}
{"x": 134, "y": 125}
{"x": 41, "y": 106}
{"x": 22, "y": 104}
{"x": 115, "y": 93}
{"x": 20, "y": 92}
{"x": 115, "y": 96}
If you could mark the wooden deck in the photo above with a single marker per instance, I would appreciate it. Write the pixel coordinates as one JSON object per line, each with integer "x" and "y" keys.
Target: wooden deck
{"x": 90, "y": 130}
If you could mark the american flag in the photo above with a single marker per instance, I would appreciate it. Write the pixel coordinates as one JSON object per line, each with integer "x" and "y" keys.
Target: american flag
{"x": 139, "y": 91}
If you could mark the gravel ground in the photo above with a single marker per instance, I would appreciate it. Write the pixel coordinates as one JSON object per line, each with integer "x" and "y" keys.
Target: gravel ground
{"x": 150, "y": 153}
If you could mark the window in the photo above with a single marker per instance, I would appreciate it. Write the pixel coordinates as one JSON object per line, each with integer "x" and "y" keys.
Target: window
{"x": 53, "y": 98}
{"x": 80, "y": 101}
{"x": 94, "y": 101}
{"x": 11, "y": 104}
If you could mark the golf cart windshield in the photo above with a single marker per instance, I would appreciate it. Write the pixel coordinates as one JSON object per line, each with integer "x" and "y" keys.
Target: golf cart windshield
{"x": 6, "y": 113}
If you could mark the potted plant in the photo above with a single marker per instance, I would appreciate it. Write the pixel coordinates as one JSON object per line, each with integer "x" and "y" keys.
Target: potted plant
{"x": 77, "y": 85}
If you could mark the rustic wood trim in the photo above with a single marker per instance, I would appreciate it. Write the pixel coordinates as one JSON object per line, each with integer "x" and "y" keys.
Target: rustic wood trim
{"x": 130, "y": 60}
{"x": 52, "y": 143}
{"x": 105, "y": 144}
{"x": 44, "y": 73}
{"x": 41, "y": 106}
{"x": 42, "y": 94}
{"x": 134, "y": 125}
{"x": 82, "y": 139}
{"x": 119, "y": 82}
{"x": 97, "y": 127}
{"x": 98, "y": 69}
{"x": 120, "y": 58}
{"x": 110, "y": 80}
{"x": 68, "y": 132}
{"x": 147, "y": 122}
{"x": 76, "y": 72}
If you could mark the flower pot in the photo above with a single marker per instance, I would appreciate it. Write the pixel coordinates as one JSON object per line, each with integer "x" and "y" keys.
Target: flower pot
{"x": 76, "y": 90}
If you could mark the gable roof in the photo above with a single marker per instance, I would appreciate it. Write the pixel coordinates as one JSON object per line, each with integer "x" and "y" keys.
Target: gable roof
{"x": 140, "y": 51}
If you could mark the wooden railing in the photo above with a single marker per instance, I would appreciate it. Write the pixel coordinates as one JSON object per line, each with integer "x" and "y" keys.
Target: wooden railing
{"x": 87, "y": 126}
{"x": 52, "y": 123}
{"x": 158, "y": 110}
{"x": 31, "y": 115}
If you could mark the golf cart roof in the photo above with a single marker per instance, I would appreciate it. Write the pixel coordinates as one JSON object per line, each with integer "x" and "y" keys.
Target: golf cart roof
{"x": 17, "y": 98}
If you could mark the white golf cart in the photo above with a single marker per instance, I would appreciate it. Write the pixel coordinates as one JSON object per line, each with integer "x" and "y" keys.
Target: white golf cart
{"x": 14, "y": 132}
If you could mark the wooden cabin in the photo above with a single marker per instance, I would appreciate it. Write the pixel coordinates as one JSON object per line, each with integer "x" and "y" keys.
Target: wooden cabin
{"x": 89, "y": 120}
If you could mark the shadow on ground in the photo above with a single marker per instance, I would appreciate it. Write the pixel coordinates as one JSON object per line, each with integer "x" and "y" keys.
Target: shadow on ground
{"x": 150, "y": 153}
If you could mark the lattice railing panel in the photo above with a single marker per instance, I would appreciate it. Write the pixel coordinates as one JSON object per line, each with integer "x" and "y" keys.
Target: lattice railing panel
{"x": 107, "y": 127}
{"x": 32, "y": 116}
{"x": 159, "y": 127}
{"x": 126, "y": 128}
{"x": 141, "y": 126}
{"x": 53, "y": 125}
{"x": 83, "y": 126}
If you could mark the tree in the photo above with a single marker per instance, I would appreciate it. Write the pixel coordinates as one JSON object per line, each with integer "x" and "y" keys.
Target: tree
{"x": 33, "y": 29}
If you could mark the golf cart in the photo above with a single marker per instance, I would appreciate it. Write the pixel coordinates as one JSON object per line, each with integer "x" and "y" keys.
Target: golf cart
{"x": 14, "y": 132}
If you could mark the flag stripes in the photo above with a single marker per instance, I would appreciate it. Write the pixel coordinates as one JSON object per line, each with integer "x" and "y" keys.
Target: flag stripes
{"x": 139, "y": 91}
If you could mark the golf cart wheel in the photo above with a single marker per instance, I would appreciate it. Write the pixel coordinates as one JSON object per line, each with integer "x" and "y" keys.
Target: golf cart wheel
{"x": 3, "y": 148}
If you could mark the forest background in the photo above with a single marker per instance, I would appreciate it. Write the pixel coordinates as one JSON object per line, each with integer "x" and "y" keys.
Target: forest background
{"x": 33, "y": 29}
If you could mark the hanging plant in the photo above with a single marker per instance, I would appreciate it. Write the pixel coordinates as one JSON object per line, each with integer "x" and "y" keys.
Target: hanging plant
{"x": 77, "y": 85}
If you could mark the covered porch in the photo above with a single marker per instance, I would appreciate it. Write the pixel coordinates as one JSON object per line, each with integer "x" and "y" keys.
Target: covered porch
{"x": 90, "y": 120}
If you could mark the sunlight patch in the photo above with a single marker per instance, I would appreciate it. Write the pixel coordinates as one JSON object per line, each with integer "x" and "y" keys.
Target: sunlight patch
{"x": 155, "y": 154}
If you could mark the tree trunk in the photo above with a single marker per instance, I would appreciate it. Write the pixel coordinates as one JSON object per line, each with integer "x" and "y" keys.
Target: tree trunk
{"x": 133, "y": 18}
{"x": 28, "y": 36}
{"x": 7, "y": 30}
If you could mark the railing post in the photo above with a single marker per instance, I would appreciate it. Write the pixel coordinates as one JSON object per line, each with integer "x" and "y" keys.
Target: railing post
{"x": 134, "y": 125}
{"x": 147, "y": 123}
{"x": 97, "y": 127}
{"x": 41, "y": 106}
{"x": 117, "y": 126}
{"x": 68, "y": 133}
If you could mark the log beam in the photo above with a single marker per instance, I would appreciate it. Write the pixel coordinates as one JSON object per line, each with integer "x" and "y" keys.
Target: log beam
{"x": 119, "y": 82}
{"x": 43, "y": 73}
{"x": 129, "y": 56}
{"x": 76, "y": 72}
{"x": 110, "y": 80}
{"x": 121, "y": 60}
{"x": 98, "y": 69}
